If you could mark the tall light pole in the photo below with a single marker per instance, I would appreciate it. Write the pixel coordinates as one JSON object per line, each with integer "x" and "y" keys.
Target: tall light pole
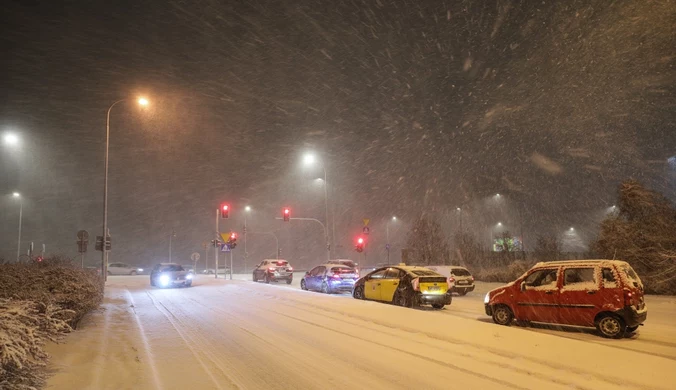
{"x": 18, "y": 247}
{"x": 387, "y": 236}
{"x": 309, "y": 159}
{"x": 104, "y": 252}
{"x": 173, "y": 234}
{"x": 247, "y": 210}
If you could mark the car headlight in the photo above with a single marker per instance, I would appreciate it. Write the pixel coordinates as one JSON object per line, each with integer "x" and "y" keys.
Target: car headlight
{"x": 487, "y": 298}
{"x": 188, "y": 276}
{"x": 139, "y": 270}
{"x": 164, "y": 279}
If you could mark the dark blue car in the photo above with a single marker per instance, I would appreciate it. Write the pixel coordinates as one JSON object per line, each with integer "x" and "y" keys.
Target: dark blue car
{"x": 330, "y": 278}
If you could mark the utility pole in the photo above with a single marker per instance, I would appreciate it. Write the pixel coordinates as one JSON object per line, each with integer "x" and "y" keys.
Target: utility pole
{"x": 216, "y": 246}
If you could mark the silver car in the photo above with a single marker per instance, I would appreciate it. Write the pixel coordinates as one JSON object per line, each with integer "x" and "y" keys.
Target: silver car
{"x": 461, "y": 280}
{"x": 123, "y": 269}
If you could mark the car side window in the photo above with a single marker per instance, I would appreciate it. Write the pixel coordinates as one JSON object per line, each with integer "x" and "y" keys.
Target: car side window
{"x": 579, "y": 279}
{"x": 313, "y": 271}
{"x": 379, "y": 275}
{"x": 541, "y": 279}
{"x": 609, "y": 279}
{"x": 320, "y": 271}
{"x": 392, "y": 273}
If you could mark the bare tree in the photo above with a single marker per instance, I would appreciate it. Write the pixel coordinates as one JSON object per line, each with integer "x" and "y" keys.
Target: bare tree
{"x": 547, "y": 248}
{"x": 427, "y": 243}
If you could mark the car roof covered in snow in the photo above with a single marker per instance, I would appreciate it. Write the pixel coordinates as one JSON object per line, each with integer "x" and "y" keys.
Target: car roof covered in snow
{"x": 582, "y": 262}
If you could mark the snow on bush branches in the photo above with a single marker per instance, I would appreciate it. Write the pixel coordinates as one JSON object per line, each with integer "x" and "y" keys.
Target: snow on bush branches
{"x": 39, "y": 302}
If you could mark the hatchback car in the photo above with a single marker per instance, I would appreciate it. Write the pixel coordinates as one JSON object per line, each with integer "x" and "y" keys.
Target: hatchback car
{"x": 605, "y": 294}
{"x": 169, "y": 275}
{"x": 330, "y": 278}
{"x": 461, "y": 280}
{"x": 123, "y": 269}
{"x": 402, "y": 285}
{"x": 273, "y": 271}
{"x": 346, "y": 262}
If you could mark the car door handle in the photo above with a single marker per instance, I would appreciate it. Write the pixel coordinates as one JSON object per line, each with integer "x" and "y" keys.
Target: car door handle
{"x": 549, "y": 292}
{"x": 395, "y": 283}
{"x": 591, "y": 292}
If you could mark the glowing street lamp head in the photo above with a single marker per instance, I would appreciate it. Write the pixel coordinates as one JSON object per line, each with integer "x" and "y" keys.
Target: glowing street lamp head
{"x": 499, "y": 223}
{"x": 497, "y": 195}
{"x": 11, "y": 139}
{"x": 143, "y": 101}
{"x": 458, "y": 208}
{"x": 571, "y": 229}
{"x": 16, "y": 194}
{"x": 394, "y": 218}
{"x": 247, "y": 208}
{"x": 309, "y": 159}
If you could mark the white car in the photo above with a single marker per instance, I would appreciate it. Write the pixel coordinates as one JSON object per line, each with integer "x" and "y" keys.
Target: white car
{"x": 123, "y": 269}
{"x": 461, "y": 280}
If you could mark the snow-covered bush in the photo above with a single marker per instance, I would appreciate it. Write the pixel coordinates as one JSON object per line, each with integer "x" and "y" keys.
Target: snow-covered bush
{"x": 39, "y": 302}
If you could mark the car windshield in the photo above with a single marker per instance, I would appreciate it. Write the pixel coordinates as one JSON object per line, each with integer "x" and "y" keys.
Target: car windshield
{"x": 280, "y": 263}
{"x": 171, "y": 268}
{"x": 460, "y": 272}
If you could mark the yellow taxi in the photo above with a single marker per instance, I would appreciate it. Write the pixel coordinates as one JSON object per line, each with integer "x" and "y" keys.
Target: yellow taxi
{"x": 408, "y": 286}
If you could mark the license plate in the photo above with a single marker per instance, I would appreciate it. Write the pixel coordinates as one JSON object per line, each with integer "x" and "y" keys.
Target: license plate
{"x": 433, "y": 288}
{"x": 462, "y": 282}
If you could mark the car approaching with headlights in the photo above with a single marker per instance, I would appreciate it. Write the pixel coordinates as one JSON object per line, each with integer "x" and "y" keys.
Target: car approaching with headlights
{"x": 403, "y": 285}
{"x": 605, "y": 294}
{"x": 330, "y": 278}
{"x": 170, "y": 275}
{"x": 273, "y": 270}
{"x": 461, "y": 280}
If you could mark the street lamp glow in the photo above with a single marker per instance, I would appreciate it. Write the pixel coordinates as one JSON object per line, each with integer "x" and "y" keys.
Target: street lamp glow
{"x": 11, "y": 139}
{"x": 571, "y": 229}
{"x": 143, "y": 101}
{"x": 16, "y": 194}
{"x": 499, "y": 223}
{"x": 458, "y": 208}
{"x": 394, "y": 218}
{"x": 247, "y": 208}
{"x": 497, "y": 195}
{"x": 309, "y": 159}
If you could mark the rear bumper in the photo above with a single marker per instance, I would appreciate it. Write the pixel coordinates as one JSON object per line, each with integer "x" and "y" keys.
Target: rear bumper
{"x": 429, "y": 299}
{"x": 467, "y": 288}
{"x": 343, "y": 286}
{"x": 632, "y": 317}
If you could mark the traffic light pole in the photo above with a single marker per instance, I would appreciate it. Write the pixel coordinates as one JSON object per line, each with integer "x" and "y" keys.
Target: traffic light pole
{"x": 230, "y": 264}
{"x": 216, "y": 246}
{"x": 326, "y": 233}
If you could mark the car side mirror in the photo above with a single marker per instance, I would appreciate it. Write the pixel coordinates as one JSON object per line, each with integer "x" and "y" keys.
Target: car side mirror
{"x": 523, "y": 286}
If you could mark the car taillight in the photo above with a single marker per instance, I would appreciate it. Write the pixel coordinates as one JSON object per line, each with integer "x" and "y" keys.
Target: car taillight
{"x": 472, "y": 277}
{"x": 628, "y": 298}
{"x": 451, "y": 280}
{"x": 271, "y": 269}
{"x": 336, "y": 276}
{"x": 416, "y": 284}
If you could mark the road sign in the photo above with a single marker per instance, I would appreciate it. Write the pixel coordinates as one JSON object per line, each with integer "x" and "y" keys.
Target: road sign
{"x": 387, "y": 246}
{"x": 366, "y": 230}
{"x": 225, "y": 248}
{"x": 83, "y": 235}
{"x": 225, "y": 236}
{"x": 195, "y": 256}
{"x": 366, "y": 221}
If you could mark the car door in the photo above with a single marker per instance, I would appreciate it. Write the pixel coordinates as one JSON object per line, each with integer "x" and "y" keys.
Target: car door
{"x": 316, "y": 277}
{"x": 114, "y": 269}
{"x": 125, "y": 269}
{"x": 390, "y": 283}
{"x": 373, "y": 283}
{"x": 309, "y": 279}
{"x": 538, "y": 296}
{"x": 578, "y": 296}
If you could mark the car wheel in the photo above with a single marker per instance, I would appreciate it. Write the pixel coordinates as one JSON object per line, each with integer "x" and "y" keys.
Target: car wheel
{"x": 611, "y": 326}
{"x": 400, "y": 300}
{"x": 632, "y": 329}
{"x": 133, "y": 273}
{"x": 267, "y": 279}
{"x": 438, "y": 305}
{"x": 502, "y": 315}
{"x": 462, "y": 293}
{"x": 302, "y": 285}
{"x": 288, "y": 281}
{"x": 253, "y": 277}
{"x": 325, "y": 288}
{"x": 188, "y": 284}
{"x": 358, "y": 292}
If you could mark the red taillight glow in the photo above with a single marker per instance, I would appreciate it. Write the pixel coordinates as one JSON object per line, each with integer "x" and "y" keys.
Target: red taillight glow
{"x": 451, "y": 280}
{"x": 271, "y": 269}
{"x": 290, "y": 268}
{"x": 472, "y": 277}
{"x": 416, "y": 284}
{"x": 336, "y": 276}
{"x": 628, "y": 298}
{"x": 286, "y": 211}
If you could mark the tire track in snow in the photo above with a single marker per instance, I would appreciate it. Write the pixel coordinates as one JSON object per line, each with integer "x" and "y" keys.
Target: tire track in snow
{"x": 189, "y": 343}
{"x": 146, "y": 344}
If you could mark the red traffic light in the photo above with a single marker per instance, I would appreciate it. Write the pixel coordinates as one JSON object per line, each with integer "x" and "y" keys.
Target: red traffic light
{"x": 225, "y": 211}
{"x": 360, "y": 240}
{"x": 233, "y": 236}
{"x": 286, "y": 214}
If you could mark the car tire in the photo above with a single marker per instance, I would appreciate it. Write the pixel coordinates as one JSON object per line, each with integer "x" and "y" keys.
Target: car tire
{"x": 267, "y": 279}
{"x": 302, "y": 285}
{"x": 325, "y": 288}
{"x": 188, "y": 284}
{"x": 632, "y": 329}
{"x": 288, "y": 281}
{"x": 400, "y": 300}
{"x": 253, "y": 277}
{"x": 502, "y": 315}
{"x": 438, "y": 306}
{"x": 358, "y": 292}
{"x": 611, "y": 326}
{"x": 132, "y": 273}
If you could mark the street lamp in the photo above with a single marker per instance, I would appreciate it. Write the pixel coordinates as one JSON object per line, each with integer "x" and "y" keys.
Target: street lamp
{"x": 104, "y": 253}
{"x": 18, "y": 248}
{"x": 247, "y": 210}
{"x": 310, "y": 159}
{"x": 11, "y": 139}
{"x": 171, "y": 236}
{"x": 387, "y": 230}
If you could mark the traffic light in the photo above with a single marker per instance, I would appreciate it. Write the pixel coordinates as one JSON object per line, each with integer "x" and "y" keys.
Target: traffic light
{"x": 360, "y": 244}
{"x": 232, "y": 241}
{"x": 225, "y": 211}
{"x": 286, "y": 214}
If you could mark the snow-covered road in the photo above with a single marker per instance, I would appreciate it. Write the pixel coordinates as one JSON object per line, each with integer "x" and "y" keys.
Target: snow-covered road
{"x": 223, "y": 334}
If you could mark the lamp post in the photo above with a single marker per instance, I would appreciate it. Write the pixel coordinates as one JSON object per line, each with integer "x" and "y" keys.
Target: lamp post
{"x": 18, "y": 247}
{"x": 104, "y": 252}
{"x": 387, "y": 236}
{"x": 309, "y": 159}
{"x": 173, "y": 234}
{"x": 247, "y": 210}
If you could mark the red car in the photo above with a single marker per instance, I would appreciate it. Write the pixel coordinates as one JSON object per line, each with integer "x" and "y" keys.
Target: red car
{"x": 605, "y": 294}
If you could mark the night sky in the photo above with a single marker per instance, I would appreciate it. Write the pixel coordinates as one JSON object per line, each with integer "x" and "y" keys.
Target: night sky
{"x": 414, "y": 107}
